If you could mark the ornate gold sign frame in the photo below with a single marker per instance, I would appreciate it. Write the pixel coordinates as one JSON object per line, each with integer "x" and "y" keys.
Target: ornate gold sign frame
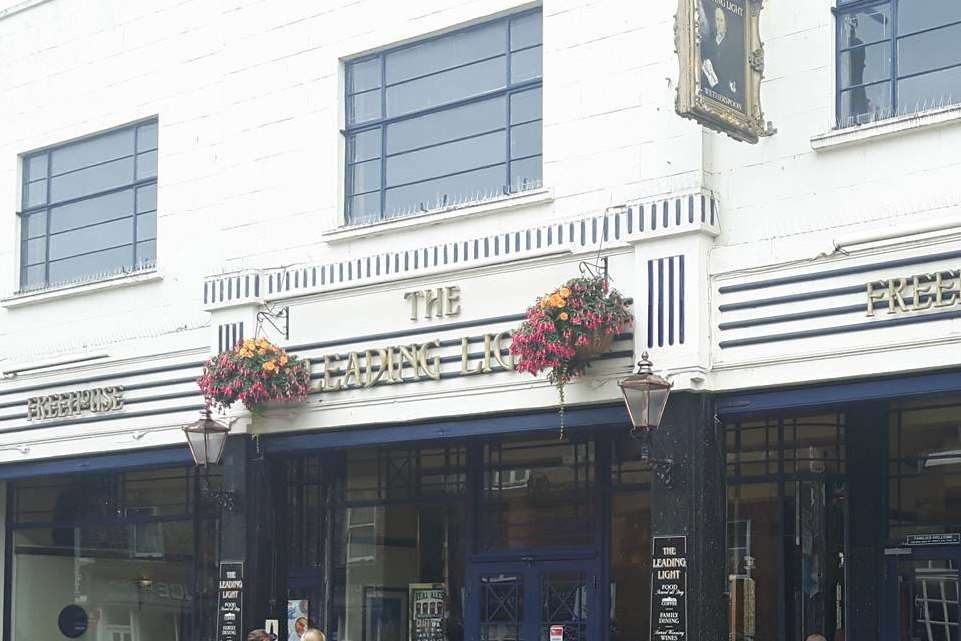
{"x": 694, "y": 101}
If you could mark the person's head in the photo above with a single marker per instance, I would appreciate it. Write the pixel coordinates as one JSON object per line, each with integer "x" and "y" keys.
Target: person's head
{"x": 258, "y": 635}
{"x": 300, "y": 625}
{"x": 314, "y": 634}
{"x": 816, "y": 637}
{"x": 720, "y": 21}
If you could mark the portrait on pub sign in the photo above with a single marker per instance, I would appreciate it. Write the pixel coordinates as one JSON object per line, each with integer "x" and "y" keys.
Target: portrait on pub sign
{"x": 723, "y": 50}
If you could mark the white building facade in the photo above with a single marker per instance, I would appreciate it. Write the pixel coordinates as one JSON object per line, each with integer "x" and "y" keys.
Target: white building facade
{"x": 362, "y": 179}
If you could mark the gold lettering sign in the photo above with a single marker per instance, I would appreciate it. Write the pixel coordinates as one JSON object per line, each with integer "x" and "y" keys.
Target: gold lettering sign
{"x": 411, "y": 362}
{"x": 98, "y": 400}
{"x": 914, "y": 293}
{"x": 437, "y": 302}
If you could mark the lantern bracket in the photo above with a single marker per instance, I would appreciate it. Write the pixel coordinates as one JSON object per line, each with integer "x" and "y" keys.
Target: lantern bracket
{"x": 662, "y": 467}
{"x": 224, "y": 499}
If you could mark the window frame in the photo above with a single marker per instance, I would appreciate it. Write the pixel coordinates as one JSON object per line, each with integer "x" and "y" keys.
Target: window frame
{"x": 24, "y": 212}
{"x": 845, "y": 7}
{"x": 383, "y": 121}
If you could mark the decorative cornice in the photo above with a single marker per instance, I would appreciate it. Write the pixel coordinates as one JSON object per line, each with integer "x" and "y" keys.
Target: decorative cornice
{"x": 696, "y": 211}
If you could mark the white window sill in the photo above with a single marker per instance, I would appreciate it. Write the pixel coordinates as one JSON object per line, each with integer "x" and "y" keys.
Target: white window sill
{"x": 80, "y": 289}
{"x": 837, "y": 138}
{"x": 437, "y": 216}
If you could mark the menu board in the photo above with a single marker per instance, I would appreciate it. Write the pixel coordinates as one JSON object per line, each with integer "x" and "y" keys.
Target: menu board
{"x": 428, "y": 610}
{"x": 230, "y": 601}
{"x": 669, "y": 589}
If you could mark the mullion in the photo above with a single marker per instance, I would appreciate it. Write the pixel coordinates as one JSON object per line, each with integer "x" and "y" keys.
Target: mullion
{"x": 46, "y": 251}
{"x": 133, "y": 194}
{"x": 894, "y": 56}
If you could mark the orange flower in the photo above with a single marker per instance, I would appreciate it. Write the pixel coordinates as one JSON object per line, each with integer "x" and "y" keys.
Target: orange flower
{"x": 563, "y": 316}
{"x": 283, "y": 359}
{"x": 565, "y": 292}
{"x": 269, "y": 366}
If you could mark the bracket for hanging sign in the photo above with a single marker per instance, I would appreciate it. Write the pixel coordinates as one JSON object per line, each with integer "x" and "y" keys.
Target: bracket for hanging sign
{"x": 279, "y": 319}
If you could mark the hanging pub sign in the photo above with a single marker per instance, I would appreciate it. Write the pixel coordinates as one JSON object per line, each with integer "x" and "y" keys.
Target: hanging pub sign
{"x": 721, "y": 65}
{"x": 230, "y": 599}
{"x": 669, "y": 589}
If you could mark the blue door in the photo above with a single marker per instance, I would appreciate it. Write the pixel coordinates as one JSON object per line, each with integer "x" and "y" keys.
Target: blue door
{"x": 922, "y": 594}
{"x": 521, "y": 600}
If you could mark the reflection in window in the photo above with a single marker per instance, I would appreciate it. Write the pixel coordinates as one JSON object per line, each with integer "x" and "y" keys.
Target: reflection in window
{"x": 120, "y": 546}
{"x": 89, "y": 208}
{"x": 890, "y": 67}
{"x": 397, "y": 519}
{"x": 924, "y": 471}
{"x": 538, "y": 494}
{"x": 451, "y": 120}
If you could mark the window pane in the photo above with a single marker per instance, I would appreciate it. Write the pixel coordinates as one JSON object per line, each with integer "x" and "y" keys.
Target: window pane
{"x": 866, "y": 64}
{"x": 34, "y": 194}
{"x": 363, "y": 75}
{"x": 33, "y": 251}
{"x": 146, "y": 254}
{"x": 364, "y": 209}
{"x": 103, "y": 263}
{"x": 146, "y": 198}
{"x": 864, "y": 104}
{"x": 865, "y": 26}
{"x": 31, "y": 277}
{"x": 446, "y": 52}
{"x": 446, "y": 159}
{"x": 467, "y": 187}
{"x": 459, "y": 122}
{"x": 147, "y": 137}
{"x": 526, "y": 65}
{"x": 914, "y": 15}
{"x": 147, "y": 165}
{"x": 930, "y": 90}
{"x": 364, "y": 145}
{"x": 929, "y": 50}
{"x": 94, "y": 179}
{"x": 526, "y": 106}
{"x": 33, "y": 225}
{"x": 364, "y": 107}
{"x": 96, "y": 150}
{"x": 446, "y": 87}
{"x": 147, "y": 226}
{"x": 526, "y": 31}
{"x": 364, "y": 176}
{"x": 526, "y": 174}
{"x": 36, "y": 167}
{"x": 88, "y": 239}
{"x": 93, "y": 210}
{"x": 526, "y": 139}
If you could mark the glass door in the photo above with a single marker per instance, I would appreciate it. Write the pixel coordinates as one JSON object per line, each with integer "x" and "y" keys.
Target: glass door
{"x": 532, "y": 600}
{"x": 922, "y": 592}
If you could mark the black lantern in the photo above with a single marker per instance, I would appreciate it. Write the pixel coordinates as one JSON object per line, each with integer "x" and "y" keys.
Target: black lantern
{"x": 645, "y": 395}
{"x": 206, "y": 439}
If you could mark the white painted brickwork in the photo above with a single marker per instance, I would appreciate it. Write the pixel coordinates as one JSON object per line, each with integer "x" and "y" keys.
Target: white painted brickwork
{"x": 249, "y": 100}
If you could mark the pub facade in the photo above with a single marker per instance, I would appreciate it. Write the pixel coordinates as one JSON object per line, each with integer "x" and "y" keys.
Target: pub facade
{"x": 383, "y": 190}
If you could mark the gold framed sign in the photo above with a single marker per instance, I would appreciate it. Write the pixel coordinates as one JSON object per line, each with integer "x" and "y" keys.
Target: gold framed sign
{"x": 721, "y": 66}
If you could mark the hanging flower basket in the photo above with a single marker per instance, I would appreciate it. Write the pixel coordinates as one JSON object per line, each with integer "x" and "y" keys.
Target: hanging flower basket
{"x": 569, "y": 328}
{"x": 255, "y": 372}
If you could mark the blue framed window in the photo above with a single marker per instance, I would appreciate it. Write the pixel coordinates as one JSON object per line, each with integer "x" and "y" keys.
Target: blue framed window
{"x": 89, "y": 208}
{"x": 445, "y": 121}
{"x": 896, "y": 57}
